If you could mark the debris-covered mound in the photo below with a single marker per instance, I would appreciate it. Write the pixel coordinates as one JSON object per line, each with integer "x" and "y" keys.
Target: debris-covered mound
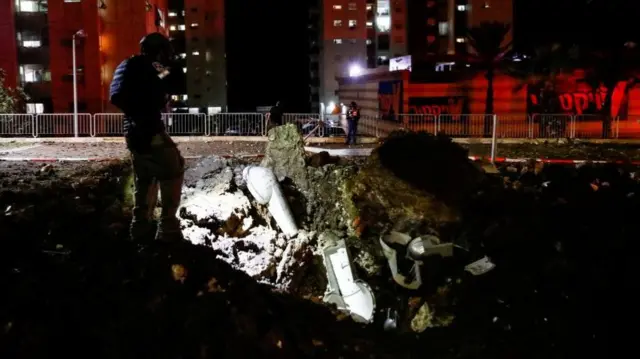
{"x": 218, "y": 211}
{"x": 414, "y": 182}
{"x": 563, "y": 240}
{"x": 74, "y": 285}
{"x": 433, "y": 164}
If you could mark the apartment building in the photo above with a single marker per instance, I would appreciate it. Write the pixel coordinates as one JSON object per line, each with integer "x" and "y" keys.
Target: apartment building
{"x": 36, "y": 38}
{"x": 197, "y": 31}
{"x": 349, "y": 35}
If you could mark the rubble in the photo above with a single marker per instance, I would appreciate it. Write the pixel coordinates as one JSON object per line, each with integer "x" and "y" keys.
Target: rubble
{"x": 219, "y": 212}
{"x": 521, "y": 259}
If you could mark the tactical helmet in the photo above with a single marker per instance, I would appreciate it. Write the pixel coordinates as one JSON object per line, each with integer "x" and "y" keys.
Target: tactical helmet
{"x": 156, "y": 45}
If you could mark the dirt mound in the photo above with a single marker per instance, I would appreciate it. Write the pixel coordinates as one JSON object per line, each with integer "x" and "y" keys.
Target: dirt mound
{"x": 564, "y": 241}
{"x": 78, "y": 286}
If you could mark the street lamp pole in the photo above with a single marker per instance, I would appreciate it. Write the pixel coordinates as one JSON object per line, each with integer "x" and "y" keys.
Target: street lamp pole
{"x": 80, "y": 33}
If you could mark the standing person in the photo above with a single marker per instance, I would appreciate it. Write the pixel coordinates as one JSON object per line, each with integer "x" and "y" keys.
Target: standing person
{"x": 353, "y": 115}
{"x": 275, "y": 115}
{"x": 140, "y": 88}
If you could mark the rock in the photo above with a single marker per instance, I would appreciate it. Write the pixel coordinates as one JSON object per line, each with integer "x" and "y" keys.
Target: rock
{"x": 422, "y": 320}
{"x": 327, "y": 239}
{"x": 285, "y": 155}
{"x": 214, "y": 202}
{"x": 203, "y": 169}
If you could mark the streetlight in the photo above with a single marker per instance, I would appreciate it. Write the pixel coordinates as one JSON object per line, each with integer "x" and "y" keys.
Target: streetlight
{"x": 355, "y": 70}
{"x": 79, "y": 33}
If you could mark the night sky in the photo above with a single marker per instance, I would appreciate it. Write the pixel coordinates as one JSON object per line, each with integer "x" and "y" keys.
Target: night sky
{"x": 267, "y": 59}
{"x": 587, "y": 22}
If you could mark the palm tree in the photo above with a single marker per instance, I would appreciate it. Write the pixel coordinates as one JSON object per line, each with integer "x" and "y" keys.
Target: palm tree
{"x": 487, "y": 42}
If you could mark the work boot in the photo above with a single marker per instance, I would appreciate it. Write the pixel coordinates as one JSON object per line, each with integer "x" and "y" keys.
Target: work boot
{"x": 146, "y": 199}
{"x": 169, "y": 225}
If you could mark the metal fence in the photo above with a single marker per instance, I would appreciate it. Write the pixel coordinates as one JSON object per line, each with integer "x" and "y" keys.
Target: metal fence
{"x": 255, "y": 124}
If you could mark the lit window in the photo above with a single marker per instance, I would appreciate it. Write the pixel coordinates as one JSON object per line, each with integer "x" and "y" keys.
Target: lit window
{"x": 195, "y": 53}
{"x": 369, "y": 42}
{"x": 460, "y": 40}
{"x": 486, "y": 5}
{"x": 185, "y": 97}
{"x": 337, "y": 7}
{"x": 31, "y": 43}
{"x": 462, "y": 7}
{"x": 353, "y": 23}
{"x": 172, "y": 27}
{"x": 369, "y": 23}
{"x": 34, "y": 73}
{"x": 29, "y": 40}
{"x": 184, "y": 69}
{"x": 181, "y": 27}
{"x": 194, "y": 25}
{"x": 337, "y": 23}
{"x": 443, "y": 28}
{"x": 35, "y": 108}
{"x": 369, "y": 7}
{"x": 337, "y": 41}
{"x": 30, "y": 6}
{"x": 174, "y": 97}
{"x": 383, "y": 23}
{"x": 352, "y": 6}
{"x": 183, "y": 55}
{"x": 173, "y": 14}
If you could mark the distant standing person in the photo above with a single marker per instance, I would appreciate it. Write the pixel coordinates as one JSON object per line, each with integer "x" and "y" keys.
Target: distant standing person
{"x": 275, "y": 115}
{"x": 353, "y": 116}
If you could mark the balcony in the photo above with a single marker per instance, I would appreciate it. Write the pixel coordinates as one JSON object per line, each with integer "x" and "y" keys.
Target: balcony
{"x": 37, "y": 91}
{"x": 34, "y": 55}
{"x": 31, "y": 20}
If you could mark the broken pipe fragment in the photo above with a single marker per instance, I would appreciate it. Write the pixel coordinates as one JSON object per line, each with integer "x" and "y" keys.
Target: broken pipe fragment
{"x": 264, "y": 187}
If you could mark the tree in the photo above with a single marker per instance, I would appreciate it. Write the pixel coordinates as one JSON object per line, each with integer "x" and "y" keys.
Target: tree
{"x": 11, "y": 99}
{"x": 487, "y": 41}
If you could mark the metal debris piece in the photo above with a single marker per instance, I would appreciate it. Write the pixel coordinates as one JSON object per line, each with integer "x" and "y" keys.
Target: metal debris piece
{"x": 344, "y": 290}
{"x": 405, "y": 274}
{"x": 480, "y": 266}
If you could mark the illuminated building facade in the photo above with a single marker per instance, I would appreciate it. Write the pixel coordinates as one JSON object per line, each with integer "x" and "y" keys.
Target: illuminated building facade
{"x": 197, "y": 31}
{"x": 348, "y": 35}
{"x": 36, "y": 47}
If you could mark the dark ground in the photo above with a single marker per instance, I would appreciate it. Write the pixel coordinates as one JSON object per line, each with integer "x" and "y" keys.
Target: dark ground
{"x": 72, "y": 284}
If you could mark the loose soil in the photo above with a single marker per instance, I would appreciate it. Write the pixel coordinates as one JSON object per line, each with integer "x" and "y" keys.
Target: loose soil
{"x": 564, "y": 241}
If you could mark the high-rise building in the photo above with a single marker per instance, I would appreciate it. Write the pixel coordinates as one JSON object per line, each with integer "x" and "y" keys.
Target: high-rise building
{"x": 197, "y": 31}
{"x": 348, "y": 35}
{"x": 36, "y": 40}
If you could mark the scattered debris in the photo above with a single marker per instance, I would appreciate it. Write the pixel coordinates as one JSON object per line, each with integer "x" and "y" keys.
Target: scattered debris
{"x": 343, "y": 290}
{"x": 480, "y": 266}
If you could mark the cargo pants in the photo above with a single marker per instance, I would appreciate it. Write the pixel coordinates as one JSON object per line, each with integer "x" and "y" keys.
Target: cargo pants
{"x": 162, "y": 167}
